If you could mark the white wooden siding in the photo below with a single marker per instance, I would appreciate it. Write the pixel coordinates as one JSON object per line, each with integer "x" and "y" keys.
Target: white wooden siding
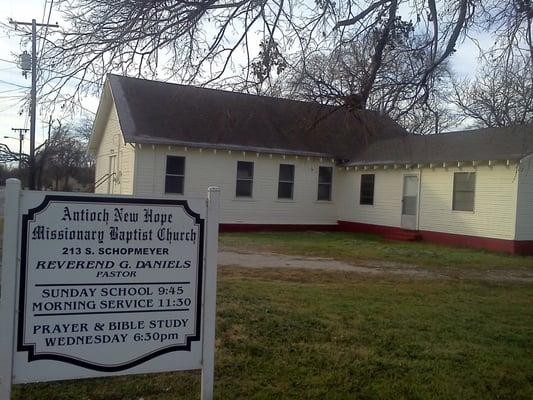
{"x": 524, "y": 211}
{"x": 387, "y": 197}
{"x": 112, "y": 143}
{"x": 494, "y": 215}
{"x": 494, "y": 212}
{"x": 500, "y": 189}
{"x": 206, "y": 168}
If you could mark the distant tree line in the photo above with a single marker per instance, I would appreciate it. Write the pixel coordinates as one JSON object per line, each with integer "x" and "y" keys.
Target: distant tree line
{"x": 62, "y": 161}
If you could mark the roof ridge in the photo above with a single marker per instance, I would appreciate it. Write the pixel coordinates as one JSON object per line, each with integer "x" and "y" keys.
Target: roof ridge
{"x": 485, "y": 128}
{"x": 261, "y": 96}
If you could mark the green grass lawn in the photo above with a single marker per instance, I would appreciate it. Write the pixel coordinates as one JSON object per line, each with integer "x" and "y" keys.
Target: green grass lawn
{"x": 293, "y": 334}
{"x": 353, "y": 247}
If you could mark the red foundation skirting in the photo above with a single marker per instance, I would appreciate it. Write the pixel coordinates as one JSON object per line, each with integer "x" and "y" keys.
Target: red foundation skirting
{"x": 508, "y": 246}
{"x": 275, "y": 227}
{"x": 346, "y": 226}
{"x": 523, "y": 247}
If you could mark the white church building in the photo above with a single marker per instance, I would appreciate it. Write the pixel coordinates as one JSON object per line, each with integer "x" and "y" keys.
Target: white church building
{"x": 290, "y": 165}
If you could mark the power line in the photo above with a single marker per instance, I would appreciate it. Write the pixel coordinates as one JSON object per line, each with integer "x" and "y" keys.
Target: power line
{"x": 43, "y": 42}
{"x": 13, "y": 84}
{"x": 9, "y": 107}
{"x": 44, "y": 11}
{"x": 8, "y": 61}
{"x": 10, "y": 90}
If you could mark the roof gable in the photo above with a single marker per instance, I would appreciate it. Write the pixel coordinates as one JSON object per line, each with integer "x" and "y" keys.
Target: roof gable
{"x": 100, "y": 120}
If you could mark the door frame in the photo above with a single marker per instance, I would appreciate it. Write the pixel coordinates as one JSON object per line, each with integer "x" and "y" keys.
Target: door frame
{"x": 417, "y": 216}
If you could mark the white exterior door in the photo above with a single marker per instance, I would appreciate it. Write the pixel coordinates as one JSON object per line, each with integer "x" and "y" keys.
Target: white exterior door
{"x": 409, "y": 201}
{"x": 111, "y": 174}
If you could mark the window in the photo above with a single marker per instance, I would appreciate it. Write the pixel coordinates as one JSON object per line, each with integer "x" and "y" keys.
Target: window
{"x": 245, "y": 178}
{"x": 286, "y": 181}
{"x": 175, "y": 174}
{"x": 325, "y": 175}
{"x": 367, "y": 189}
{"x": 463, "y": 191}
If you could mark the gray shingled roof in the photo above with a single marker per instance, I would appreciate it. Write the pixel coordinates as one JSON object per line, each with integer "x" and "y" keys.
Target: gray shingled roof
{"x": 508, "y": 143}
{"x": 162, "y": 113}
{"x": 154, "y": 112}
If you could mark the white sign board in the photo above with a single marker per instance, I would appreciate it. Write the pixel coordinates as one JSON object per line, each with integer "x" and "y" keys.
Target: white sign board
{"x": 108, "y": 285}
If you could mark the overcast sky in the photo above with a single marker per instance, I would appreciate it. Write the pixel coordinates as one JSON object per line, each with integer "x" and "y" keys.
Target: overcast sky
{"x": 13, "y": 86}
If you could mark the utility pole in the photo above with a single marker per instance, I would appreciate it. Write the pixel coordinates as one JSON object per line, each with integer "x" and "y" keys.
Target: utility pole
{"x": 21, "y": 132}
{"x": 49, "y": 128}
{"x": 33, "y": 101}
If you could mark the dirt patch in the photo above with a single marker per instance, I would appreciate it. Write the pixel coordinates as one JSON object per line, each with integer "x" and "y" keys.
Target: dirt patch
{"x": 276, "y": 260}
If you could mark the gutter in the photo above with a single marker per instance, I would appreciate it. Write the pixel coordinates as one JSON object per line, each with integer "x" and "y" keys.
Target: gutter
{"x": 222, "y": 146}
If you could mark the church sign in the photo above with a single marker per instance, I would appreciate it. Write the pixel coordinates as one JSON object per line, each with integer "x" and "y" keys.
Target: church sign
{"x": 99, "y": 286}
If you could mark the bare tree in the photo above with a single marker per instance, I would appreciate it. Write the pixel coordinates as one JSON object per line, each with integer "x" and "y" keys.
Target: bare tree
{"x": 511, "y": 25}
{"x": 253, "y": 41}
{"x": 341, "y": 76}
{"x": 8, "y": 156}
{"x": 202, "y": 41}
{"x": 59, "y": 158}
{"x": 432, "y": 117}
{"x": 63, "y": 157}
{"x": 499, "y": 96}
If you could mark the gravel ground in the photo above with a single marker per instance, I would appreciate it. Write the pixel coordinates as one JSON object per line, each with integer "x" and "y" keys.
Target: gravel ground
{"x": 275, "y": 260}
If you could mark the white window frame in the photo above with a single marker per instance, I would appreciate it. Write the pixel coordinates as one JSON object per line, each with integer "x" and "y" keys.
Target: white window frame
{"x": 473, "y": 191}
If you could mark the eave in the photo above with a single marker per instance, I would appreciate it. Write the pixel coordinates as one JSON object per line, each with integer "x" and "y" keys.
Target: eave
{"x": 375, "y": 165}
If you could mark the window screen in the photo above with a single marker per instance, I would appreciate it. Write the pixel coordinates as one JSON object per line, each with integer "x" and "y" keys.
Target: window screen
{"x": 175, "y": 174}
{"x": 286, "y": 181}
{"x": 367, "y": 189}
{"x": 325, "y": 175}
{"x": 245, "y": 178}
{"x": 464, "y": 184}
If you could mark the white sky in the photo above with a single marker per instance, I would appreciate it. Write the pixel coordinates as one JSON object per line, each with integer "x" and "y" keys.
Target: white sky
{"x": 13, "y": 86}
{"x": 10, "y": 75}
